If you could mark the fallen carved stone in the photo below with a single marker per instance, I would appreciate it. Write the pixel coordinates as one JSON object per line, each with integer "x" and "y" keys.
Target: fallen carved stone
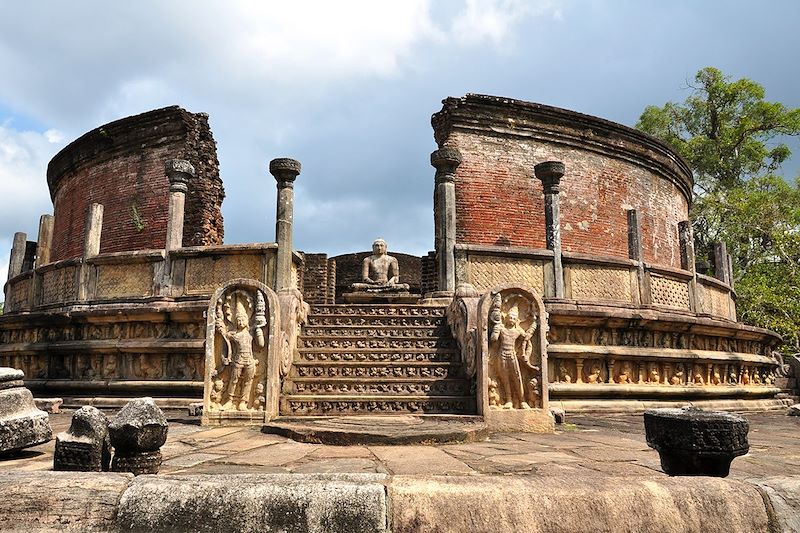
{"x": 21, "y": 424}
{"x": 137, "y": 434}
{"x": 86, "y": 445}
{"x": 694, "y": 442}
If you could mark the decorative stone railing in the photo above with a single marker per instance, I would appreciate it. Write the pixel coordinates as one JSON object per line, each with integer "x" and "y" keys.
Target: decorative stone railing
{"x": 595, "y": 280}
{"x": 141, "y": 275}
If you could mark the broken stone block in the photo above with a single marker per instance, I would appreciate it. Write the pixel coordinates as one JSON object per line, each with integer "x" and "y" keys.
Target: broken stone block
{"x": 196, "y": 409}
{"x": 137, "y": 434}
{"x": 694, "y": 442}
{"x": 49, "y": 405}
{"x": 86, "y": 445}
{"x": 794, "y": 410}
{"x": 21, "y": 424}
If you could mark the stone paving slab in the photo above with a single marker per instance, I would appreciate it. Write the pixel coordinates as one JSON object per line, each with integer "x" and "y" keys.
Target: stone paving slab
{"x": 613, "y": 444}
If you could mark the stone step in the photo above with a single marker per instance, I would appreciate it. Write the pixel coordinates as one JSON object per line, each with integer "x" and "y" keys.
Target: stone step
{"x": 441, "y": 355}
{"x": 392, "y": 310}
{"x": 372, "y": 332}
{"x": 411, "y": 370}
{"x": 382, "y": 387}
{"x": 305, "y": 405}
{"x": 381, "y": 343}
{"x": 383, "y": 321}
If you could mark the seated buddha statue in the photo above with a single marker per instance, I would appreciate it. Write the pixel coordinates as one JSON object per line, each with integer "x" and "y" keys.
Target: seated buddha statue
{"x": 380, "y": 272}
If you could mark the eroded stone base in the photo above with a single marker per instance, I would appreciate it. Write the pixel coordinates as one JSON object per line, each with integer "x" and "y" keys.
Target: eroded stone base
{"x": 524, "y": 420}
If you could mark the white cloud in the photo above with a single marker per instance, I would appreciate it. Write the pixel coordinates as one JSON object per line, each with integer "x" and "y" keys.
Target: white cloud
{"x": 495, "y": 20}
{"x": 23, "y": 164}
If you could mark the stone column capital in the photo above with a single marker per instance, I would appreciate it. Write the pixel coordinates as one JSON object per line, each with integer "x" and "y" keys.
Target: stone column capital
{"x": 550, "y": 172}
{"x": 446, "y": 161}
{"x": 179, "y": 172}
{"x": 285, "y": 171}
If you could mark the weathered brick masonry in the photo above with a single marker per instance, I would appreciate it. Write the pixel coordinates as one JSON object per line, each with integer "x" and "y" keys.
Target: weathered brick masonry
{"x": 610, "y": 169}
{"x": 121, "y": 166}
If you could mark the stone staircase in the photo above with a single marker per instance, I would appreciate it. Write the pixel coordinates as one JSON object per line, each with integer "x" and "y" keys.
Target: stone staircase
{"x": 376, "y": 360}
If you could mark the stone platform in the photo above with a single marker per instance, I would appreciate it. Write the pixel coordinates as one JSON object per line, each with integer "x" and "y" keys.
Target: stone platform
{"x": 394, "y": 430}
{"x": 595, "y": 473}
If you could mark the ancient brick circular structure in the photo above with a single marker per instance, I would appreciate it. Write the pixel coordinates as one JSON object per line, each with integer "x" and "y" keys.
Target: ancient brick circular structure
{"x": 121, "y": 166}
{"x": 590, "y": 215}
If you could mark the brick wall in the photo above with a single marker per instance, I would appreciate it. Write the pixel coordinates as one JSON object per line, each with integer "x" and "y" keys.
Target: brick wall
{"x": 121, "y": 165}
{"x": 428, "y": 273}
{"x": 316, "y": 287}
{"x": 609, "y": 170}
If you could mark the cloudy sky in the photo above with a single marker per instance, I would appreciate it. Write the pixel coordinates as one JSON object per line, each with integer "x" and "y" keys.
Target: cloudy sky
{"x": 348, "y": 88}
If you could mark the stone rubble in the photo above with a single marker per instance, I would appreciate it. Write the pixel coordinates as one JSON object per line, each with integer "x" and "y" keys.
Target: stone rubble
{"x": 21, "y": 424}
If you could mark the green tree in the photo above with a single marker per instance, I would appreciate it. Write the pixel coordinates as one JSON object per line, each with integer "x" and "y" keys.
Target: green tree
{"x": 731, "y": 138}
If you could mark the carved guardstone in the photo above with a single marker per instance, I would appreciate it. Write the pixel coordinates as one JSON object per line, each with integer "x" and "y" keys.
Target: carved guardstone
{"x": 513, "y": 370}
{"x": 137, "y": 434}
{"x": 21, "y": 424}
{"x": 86, "y": 445}
{"x": 240, "y": 326}
{"x": 694, "y": 442}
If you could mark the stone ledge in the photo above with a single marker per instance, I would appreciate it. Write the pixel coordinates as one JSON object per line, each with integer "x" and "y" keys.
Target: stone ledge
{"x": 71, "y": 501}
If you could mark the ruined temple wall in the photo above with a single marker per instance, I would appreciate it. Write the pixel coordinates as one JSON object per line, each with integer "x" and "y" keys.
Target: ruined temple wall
{"x": 121, "y": 166}
{"x": 609, "y": 169}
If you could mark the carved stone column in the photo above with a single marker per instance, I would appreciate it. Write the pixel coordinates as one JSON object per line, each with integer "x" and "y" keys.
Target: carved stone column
{"x": 285, "y": 171}
{"x": 92, "y": 231}
{"x": 179, "y": 172}
{"x": 550, "y": 173}
{"x": 635, "y": 253}
{"x": 91, "y": 247}
{"x": 17, "y": 254}
{"x": 446, "y": 161}
{"x": 44, "y": 242}
{"x": 686, "y": 239}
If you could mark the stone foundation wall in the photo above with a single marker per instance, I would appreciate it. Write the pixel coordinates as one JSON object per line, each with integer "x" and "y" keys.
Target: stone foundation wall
{"x": 121, "y": 166}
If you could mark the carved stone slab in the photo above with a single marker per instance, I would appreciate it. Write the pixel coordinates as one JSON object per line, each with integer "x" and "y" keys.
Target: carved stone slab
{"x": 21, "y": 423}
{"x": 512, "y": 367}
{"x": 243, "y": 353}
{"x": 694, "y": 442}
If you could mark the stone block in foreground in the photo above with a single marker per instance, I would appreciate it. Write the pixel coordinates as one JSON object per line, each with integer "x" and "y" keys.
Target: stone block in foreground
{"x": 694, "y": 442}
{"x": 86, "y": 445}
{"x": 137, "y": 433}
{"x": 21, "y": 424}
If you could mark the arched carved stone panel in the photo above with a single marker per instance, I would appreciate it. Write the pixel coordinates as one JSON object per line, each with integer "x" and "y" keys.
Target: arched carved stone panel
{"x": 512, "y": 374}
{"x": 242, "y": 353}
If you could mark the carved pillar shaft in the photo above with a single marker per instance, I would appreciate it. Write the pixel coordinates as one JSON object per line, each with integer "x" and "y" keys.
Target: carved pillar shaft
{"x": 17, "y": 254}
{"x": 579, "y": 370}
{"x": 686, "y": 238}
{"x": 446, "y": 161}
{"x": 179, "y": 172}
{"x": 285, "y": 171}
{"x": 92, "y": 231}
{"x": 550, "y": 173}
{"x": 635, "y": 253}
{"x": 44, "y": 242}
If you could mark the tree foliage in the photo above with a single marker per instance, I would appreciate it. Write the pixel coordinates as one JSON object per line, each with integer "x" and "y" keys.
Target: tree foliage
{"x": 731, "y": 137}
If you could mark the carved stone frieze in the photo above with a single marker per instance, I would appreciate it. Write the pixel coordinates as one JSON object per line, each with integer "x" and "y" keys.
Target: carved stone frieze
{"x": 422, "y": 357}
{"x": 301, "y": 407}
{"x": 439, "y": 387}
{"x": 128, "y": 280}
{"x": 204, "y": 274}
{"x": 669, "y": 292}
{"x": 383, "y": 371}
{"x": 384, "y": 343}
{"x": 592, "y": 282}
{"x": 485, "y": 272}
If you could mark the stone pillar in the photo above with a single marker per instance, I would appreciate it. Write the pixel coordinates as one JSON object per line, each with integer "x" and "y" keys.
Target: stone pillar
{"x": 91, "y": 247}
{"x": 17, "y": 254}
{"x": 722, "y": 270}
{"x": 285, "y": 171}
{"x": 635, "y": 253}
{"x": 92, "y": 231}
{"x": 45, "y": 241}
{"x": 550, "y": 173}
{"x": 179, "y": 172}
{"x": 686, "y": 239}
{"x": 446, "y": 161}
